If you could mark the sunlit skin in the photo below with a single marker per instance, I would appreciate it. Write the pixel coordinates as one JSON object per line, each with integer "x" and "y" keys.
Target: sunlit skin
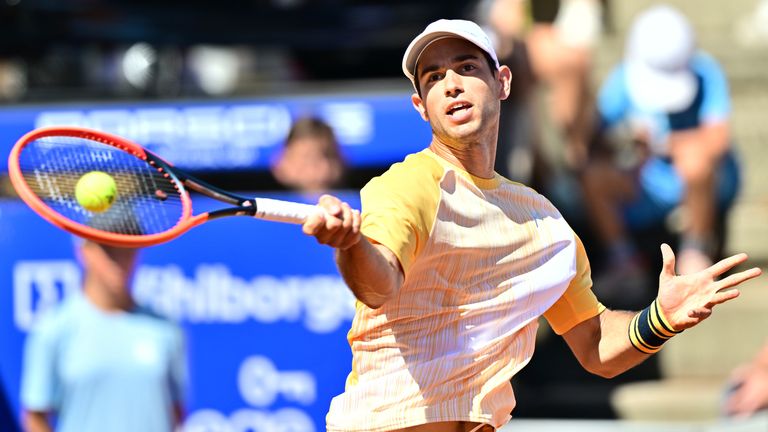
{"x": 460, "y": 97}
{"x": 108, "y": 271}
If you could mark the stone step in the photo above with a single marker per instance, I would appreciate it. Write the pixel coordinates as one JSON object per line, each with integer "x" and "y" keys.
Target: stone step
{"x": 688, "y": 400}
{"x": 748, "y": 230}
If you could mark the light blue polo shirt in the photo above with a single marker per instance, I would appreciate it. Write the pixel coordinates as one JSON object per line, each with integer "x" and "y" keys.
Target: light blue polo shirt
{"x": 100, "y": 371}
{"x": 661, "y": 187}
{"x": 711, "y": 104}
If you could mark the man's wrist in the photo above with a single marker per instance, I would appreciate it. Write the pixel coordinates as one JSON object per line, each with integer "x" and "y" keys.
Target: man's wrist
{"x": 649, "y": 329}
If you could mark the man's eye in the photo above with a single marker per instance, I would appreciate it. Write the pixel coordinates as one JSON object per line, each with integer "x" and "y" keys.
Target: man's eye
{"x": 434, "y": 77}
{"x": 468, "y": 67}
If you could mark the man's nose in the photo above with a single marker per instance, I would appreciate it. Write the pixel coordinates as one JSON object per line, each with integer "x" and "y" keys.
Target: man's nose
{"x": 453, "y": 83}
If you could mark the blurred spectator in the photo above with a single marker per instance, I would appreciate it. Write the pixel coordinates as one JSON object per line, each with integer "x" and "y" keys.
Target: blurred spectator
{"x": 749, "y": 387}
{"x": 310, "y": 160}
{"x": 674, "y": 102}
{"x": 517, "y": 152}
{"x": 13, "y": 79}
{"x": 100, "y": 362}
{"x": 556, "y": 52}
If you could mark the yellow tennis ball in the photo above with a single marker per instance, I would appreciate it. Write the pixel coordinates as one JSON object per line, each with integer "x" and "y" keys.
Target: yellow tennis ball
{"x": 96, "y": 191}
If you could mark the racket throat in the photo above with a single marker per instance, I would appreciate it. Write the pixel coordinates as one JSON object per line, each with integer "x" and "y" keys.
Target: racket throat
{"x": 247, "y": 207}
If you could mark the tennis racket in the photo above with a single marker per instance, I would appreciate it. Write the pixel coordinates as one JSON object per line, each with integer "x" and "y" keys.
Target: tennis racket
{"x": 152, "y": 204}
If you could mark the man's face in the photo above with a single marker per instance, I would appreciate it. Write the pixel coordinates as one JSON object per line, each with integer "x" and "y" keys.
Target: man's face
{"x": 112, "y": 266}
{"x": 459, "y": 92}
{"x": 309, "y": 164}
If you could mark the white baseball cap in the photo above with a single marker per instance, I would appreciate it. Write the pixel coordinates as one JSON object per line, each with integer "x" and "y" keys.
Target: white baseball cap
{"x": 659, "y": 49}
{"x": 442, "y": 29}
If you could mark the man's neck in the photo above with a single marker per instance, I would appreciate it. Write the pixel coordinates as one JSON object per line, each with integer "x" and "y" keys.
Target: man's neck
{"x": 477, "y": 159}
{"x": 106, "y": 300}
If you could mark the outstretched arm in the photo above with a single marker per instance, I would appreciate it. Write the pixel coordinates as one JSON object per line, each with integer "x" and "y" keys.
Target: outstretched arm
{"x": 615, "y": 341}
{"x": 371, "y": 271}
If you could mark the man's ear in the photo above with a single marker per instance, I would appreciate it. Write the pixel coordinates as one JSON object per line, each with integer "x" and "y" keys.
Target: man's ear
{"x": 505, "y": 82}
{"x": 418, "y": 104}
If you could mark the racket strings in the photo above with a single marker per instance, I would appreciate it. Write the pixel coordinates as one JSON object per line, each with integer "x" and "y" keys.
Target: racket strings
{"x": 148, "y": 201}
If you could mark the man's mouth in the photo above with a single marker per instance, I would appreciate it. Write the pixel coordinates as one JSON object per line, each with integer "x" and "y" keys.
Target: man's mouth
{"x": 458, "y": 106}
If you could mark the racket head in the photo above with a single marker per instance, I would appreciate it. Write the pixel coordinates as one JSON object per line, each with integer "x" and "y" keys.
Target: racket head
{"x": 151, "y": 206}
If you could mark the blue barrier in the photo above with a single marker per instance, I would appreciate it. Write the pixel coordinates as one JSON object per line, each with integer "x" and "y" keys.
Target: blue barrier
{"x": 373, "y": 129}
{"x": 264, "y": 311}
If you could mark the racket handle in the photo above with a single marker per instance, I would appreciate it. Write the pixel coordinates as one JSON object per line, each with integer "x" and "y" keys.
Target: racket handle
{"x": 284, "y": 211}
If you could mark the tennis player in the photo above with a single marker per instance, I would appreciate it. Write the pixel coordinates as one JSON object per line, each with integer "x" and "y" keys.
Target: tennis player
{"x": 453, "y": 265}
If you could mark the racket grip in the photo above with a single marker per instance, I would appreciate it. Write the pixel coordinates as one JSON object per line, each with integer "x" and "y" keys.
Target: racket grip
{"x": 284, "y": 211}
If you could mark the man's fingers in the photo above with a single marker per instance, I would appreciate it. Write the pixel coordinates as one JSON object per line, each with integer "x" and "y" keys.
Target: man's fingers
{"x": 726, "y": 264}
{"x": 348, "y": 234}
{"x": 346, "y": 216}
{"x": 327, "y": 232}
{"x": 338, "y": 227}
{"x": 353, "y": 232}
{"x": 723, "y": 297}
{"x": 738, "y": 278}
{"x": 358, "y": 220}
{"x": 668, "y": 260}
{"x": 330, "y": 203}
{"x": 313, "y": 224}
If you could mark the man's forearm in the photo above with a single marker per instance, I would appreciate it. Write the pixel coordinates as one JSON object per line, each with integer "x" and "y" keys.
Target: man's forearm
{"x": 35, "y": 421}
{"x": 371, "y": 271}
{"x": 602, "y": 345}
{"x": 617, "y": 355}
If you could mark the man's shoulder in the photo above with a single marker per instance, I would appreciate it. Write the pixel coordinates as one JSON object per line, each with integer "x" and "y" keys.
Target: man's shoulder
{"x": 704, "y": 59}
{"x": 419, "y": 163}
{"x": 414, "y": 170}
{"x": 58, "y": 319}
{"x": 705, "y": 64}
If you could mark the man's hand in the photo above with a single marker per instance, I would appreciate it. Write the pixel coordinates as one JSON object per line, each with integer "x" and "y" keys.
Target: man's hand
{"x": 338, "y": 226}
{"x": 750, "y": 393}
{"x": 686, "y": 300}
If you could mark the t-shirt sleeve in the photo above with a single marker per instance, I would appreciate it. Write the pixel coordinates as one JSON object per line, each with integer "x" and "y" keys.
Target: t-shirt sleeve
{"x": 399, "y": 207}
{"x": 578, "y": 303}
{"x": 716, "y": 105}
{"x": 40, "y": 385}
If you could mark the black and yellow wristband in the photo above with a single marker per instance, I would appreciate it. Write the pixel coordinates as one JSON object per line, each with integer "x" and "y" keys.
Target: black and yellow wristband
{"x": 649, "y": 329}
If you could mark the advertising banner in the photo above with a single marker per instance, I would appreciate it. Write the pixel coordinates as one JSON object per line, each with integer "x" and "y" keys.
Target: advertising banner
{"x": 238, "y": 134}
{"x": 263, "y": 308}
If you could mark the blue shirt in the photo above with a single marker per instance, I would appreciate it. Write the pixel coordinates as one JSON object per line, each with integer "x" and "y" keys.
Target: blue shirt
{"x": 711, "y": 104}
{"x": 662, "y": 188}
{"x": 101, "y": 371}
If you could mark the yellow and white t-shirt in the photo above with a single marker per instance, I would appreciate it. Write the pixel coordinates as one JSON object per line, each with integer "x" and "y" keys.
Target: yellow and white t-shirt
{"x": 483, "y": 259}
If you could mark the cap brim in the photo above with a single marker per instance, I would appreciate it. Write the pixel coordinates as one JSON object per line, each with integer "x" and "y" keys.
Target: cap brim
{"x": 417, "y": 47}
{"x": 653, "y": 90}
